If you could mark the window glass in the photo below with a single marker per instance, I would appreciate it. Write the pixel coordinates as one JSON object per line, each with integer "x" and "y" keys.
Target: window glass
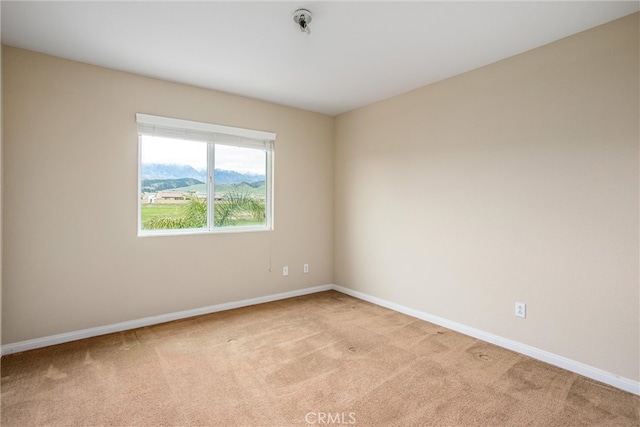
{"x": 240, "y": 186}
{"x": 173, "y": 184}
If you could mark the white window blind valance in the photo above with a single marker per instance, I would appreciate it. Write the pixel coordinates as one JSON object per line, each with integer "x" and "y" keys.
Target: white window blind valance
{"x": 198, "y": 131}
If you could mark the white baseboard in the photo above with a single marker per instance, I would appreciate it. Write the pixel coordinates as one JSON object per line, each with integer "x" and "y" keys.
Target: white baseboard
{"x": 153, "y": 320}
{"x": 588, "y": 371}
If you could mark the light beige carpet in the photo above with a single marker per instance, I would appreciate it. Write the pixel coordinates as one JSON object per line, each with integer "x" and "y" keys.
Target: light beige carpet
{"x": 322, "y": 359}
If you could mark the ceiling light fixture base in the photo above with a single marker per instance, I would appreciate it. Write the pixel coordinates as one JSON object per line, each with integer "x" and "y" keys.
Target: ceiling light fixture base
{"x": 303, "y": 17}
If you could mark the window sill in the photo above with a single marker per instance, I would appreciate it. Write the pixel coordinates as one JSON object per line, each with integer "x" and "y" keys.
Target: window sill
{"x": 205, "y": 231}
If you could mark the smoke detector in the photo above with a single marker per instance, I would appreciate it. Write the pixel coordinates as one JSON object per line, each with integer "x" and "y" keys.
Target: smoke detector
{"x": 302, "y": 17}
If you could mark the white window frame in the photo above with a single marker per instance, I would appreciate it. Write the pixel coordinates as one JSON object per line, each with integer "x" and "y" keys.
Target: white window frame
{"x": 212, "y": 134}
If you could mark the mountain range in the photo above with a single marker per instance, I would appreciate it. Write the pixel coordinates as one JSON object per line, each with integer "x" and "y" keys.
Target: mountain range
{"x": 161, "y": 171}
{"x": 154, "y": 185}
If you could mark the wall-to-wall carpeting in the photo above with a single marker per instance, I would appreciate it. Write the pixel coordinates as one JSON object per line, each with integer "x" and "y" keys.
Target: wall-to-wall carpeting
{"x": 320, "y": 359}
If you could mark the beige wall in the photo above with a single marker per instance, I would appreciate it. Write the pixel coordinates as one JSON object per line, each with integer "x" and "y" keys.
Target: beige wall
{"x": 514, "y": 182}
{"x": 1, "y": 262}
{"x": 72, "y": 259}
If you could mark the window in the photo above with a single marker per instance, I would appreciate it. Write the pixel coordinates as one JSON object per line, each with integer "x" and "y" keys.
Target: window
{"x": 200, "y": 178}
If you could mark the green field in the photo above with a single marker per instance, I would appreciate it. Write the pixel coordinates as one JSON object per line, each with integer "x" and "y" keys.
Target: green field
{"x": 158, "y": 210}
{"x": 152, "y": 213}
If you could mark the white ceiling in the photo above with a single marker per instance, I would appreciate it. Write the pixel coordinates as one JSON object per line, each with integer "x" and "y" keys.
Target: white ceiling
{"x": 357, "y": 52}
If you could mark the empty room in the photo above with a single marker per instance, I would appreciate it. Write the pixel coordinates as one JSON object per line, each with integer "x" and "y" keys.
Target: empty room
{"x": 320, "y": 213}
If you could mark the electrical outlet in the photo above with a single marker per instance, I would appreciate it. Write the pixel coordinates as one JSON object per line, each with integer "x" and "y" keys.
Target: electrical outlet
{"x": 521, "y": 309}
{"x": 306, "y": 268}
{"x": 285, "y": 271}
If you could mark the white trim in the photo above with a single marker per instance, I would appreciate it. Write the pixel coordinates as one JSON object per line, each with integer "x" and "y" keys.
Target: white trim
{"x": 580, "y": 368}
{"x": 167, "y": 122}
{"x": 139, "y": 192}
{"x": 205, "y": 230}
{"x": 153, "y": 320}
